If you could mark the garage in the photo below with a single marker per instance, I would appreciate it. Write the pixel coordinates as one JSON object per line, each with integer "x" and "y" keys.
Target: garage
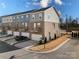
{"x": 25, "y": 34}
{"x": 16, "y": 33}
{"x": 36, "y": 37}
{"x": 9, "y": 32}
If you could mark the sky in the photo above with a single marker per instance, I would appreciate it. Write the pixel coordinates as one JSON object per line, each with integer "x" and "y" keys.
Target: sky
{"x": 64, "y": 7}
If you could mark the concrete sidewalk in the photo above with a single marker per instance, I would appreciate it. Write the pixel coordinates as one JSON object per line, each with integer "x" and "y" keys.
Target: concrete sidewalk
{"x": 51, "y": 45}
{"x": 6, "y": 38}
{"x": 16, "y": 53}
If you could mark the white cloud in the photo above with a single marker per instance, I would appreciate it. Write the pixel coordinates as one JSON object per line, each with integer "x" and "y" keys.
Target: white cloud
{"x": 2, "y": 5}
{"x": 44, "y": 3}
{"x": 58, "y": 2}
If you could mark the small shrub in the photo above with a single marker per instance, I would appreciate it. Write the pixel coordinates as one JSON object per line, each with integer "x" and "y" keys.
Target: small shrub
{"x": 40, "y": 42}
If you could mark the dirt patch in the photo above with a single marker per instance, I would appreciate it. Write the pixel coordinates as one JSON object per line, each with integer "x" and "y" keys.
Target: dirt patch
{"x": 51, "y": 45}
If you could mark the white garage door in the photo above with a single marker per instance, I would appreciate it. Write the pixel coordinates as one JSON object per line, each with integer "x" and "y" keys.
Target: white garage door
{"x": 9, "y": 32}
{"x": 16, "y": 33}
{"x": 25, "y": 34}
{"x": 36, "y": 37}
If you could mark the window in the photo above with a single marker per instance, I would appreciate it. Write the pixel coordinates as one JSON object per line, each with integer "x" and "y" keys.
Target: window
{"x": 40, "y": 15}
{"x": 48, "y": 16}
{"x": 38, "y": 24}
{"x": 22, "y": 16}
{"x": 22, "y": 23}
{"x": 17, "y": 16}
{"x": 26, "y": 16}
{"x": 13, "y": 17}
{"x": 54, "y": 25}
{"x": 34, "y": 26}
{"x": 33, "y": 16}
{"x": 26, "y": 24}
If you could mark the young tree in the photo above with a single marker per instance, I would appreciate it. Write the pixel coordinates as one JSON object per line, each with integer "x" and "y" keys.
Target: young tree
{"x": 66, "y": 23}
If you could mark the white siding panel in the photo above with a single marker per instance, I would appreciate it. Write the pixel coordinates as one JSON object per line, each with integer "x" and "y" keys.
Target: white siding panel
{"x": 24, "y": 34}
{"x": 51, "y": 16}
{"x": 36, "y": 37}
{"x": 16, "y": 33}
{"x": 9, "y": 32}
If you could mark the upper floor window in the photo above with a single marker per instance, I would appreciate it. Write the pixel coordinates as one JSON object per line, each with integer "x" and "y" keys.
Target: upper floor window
{"x": 40, "y": 15}
{"x": 17, "y": 16}
{"x": 33, "y": 16}
{"x": 3, "y": 20}
{"x": 22, "y": 16}
{"x": 14, "y": 17}
{"x": 26, "y": 16}
{"x": 48, "y": 16}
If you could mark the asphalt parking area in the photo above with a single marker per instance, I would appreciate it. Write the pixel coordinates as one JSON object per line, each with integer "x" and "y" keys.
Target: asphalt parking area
{"x": 4, "y": 47}
{"x": 25, "y": 44}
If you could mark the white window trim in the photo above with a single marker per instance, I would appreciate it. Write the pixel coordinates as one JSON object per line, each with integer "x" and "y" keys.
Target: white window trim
{"x": 34, "y": 26}
{"x": 40, "y": 14}
{"x": 33, "y": 16}
{"x": 22, "y": 16}
{"x": 27, "y": 16}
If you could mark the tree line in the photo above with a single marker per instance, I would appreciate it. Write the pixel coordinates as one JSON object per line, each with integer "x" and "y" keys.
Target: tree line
{"x": 69, "y": 23}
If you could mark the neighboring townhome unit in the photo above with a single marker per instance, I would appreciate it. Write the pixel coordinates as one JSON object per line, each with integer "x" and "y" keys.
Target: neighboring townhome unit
{"x": 34, "y": 24}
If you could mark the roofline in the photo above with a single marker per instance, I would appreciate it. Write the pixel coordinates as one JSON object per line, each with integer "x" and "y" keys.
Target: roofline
{"x": 31, "y": 11}
{"x": 16, "y": 13}
{"x": 56, "y": 12}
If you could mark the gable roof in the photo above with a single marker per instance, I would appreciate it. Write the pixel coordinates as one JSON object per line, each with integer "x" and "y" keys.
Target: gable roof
{"x": 56, "y": 12}
{"x": 31, "y": 11}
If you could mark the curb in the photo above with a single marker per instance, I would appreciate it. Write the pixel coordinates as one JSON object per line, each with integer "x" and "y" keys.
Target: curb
{"x": 49, "y": 50}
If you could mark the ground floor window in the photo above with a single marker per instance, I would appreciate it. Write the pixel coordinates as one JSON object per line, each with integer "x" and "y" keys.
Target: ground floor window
{"x": 37, "y": 26}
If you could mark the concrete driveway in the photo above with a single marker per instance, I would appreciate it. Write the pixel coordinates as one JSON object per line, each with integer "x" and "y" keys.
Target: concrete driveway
{"x": 19, "y": 44}
{"x": 25, "y": 44}
{"x": 6, "y": 38}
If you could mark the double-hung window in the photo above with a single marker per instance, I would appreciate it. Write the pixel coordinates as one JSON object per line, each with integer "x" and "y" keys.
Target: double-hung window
{"x": 34, "y": 26}
{"x": 40, "y": 15}
{"x": 33, "y": 17}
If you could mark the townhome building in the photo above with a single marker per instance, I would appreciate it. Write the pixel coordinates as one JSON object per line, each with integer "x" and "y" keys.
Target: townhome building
{"x": 34, "y": 24}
